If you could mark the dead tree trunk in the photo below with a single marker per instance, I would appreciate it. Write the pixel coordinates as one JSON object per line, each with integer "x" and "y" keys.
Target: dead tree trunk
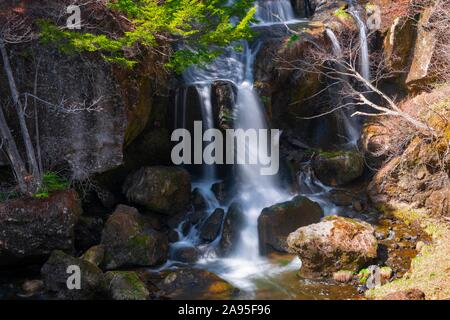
{"x": 29, "y": 149}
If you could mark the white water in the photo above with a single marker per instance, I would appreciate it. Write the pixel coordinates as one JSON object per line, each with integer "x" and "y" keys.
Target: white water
{"x": 255, "y": 191}
{"x": 364, "y": 62}
{"x": 351, "y": 125}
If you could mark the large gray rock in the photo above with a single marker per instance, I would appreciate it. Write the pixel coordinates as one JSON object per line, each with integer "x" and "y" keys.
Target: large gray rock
{"x": 129, "y": 240}
{"x": 55, "y": 276}
{"x": 334, "y": 244}
{"x": 211, "y": 226}
{"x": 162, "y": 189}
{"x": 32, "y": 228}
{"x": 275, "y": 223}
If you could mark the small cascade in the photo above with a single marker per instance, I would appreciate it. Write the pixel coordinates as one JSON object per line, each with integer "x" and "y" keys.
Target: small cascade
{"x": 351, "y": 125}
{"x": 364, "y": 61}
{"x": 274, "y": 11}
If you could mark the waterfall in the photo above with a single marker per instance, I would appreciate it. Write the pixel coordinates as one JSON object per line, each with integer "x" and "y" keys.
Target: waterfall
{"x": 254, "y": 191}
{"x": 274, "y": 11}
{"x": 351, "y": 125}
{"x": 364, "y": 62}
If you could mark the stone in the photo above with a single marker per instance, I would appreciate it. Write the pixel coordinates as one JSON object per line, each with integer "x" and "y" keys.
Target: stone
{"x": 88, "y": 232}
{"x": 232, "y": 225}
{"x": 30, "y": 229}
{"x": 338, "y": 168}
{"x": 198, "y": 200}
{"x": 343, "y": 276}
{"x": 33, "y": 287}
{"x": 275, "y": 223}
{"x": 94, "y": 254}
{"x": 411, "y": 294}
{"x": 161, "y": 189}
{"x": 129, "y": 240}
{"x": 188, "y": 283}
{"x": 186, "y": 254}
{"x": 55, "y": 276}
{"x": 334, "y": 244}
{"x": 124, "y": 285}
{"x": 211, "y": 226}
{"x": 221, "y": 191}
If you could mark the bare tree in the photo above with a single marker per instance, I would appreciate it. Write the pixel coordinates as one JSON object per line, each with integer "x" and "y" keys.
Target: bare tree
{"x": 361, "y": 96}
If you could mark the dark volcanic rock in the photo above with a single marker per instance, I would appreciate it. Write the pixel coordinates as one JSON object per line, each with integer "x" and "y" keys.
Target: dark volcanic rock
{"x": 211, "y": 226}
{"x": 232, "y": 225}
{"x": 55, "y": 276}
{"x": 32, "y": 228}
{"x": 162, "y": 189}
{"x": 130, "y": 241}
{"x": 278, "y": 221}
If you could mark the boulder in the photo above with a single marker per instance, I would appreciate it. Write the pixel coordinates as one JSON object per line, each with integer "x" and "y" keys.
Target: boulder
{"x": 195, "y": 283}
{"x": 198, "y": 200}
{"x": 334, "y": 244}
{"x": 162, "y": 189}
{"x": 94, "y": 255}
{"x": 275, "y": 223}
{"x": 211, "y": 226}
{"x": 129, "y": 240}
{"x": 232, "y": 225}
{"x": 124, "y": 285}
{"x": 221, "y": 191}
{"x": 32, "y": 287}
{"x": 186, "y": 254}
{"x": 56, "y": 277}
{"x": 30, "y": 229}
{"x": 338, "y": 168}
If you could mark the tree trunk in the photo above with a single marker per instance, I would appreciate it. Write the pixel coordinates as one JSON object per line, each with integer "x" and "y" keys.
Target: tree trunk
{"x": 34, "y": 168}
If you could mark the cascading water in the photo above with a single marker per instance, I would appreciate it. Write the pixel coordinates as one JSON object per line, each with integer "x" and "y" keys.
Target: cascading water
{"x": 351, "y": 125}
{"x": 364, "y": 62}
{"x": 256, "y": 191}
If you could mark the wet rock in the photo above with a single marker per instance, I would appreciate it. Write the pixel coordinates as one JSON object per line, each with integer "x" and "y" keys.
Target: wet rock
{"x": 124, "y": 285}
{"x": 55, "y": 276}
{"x": 161, "y": 189}
{"x": 173, "y": 236}
{"x": 186, "y": 254}
{"x": 220, "y": 190}
{"x": 275, "y": 223}
{"x": 338, "y": 168}
{"x": 88, "y": 232}
{"x": 189, "y": 283}
{"x": 32, "y": 228}
{"x": 223, "y": 100}
{"x": 411, "y": 294}
{"x": 341, "y": 198}
{"x": 32, "y": 287}
{"x": 198, "y": 200}
{"x": 334, "y": 244}
{"x": 343, "y": 276}
{"x": 232, "y": 225}
{"x": 196, "y": 216}
{"x": 211, "y": 227}
{"x": 94, "y": 254}
{"x": 130, "y": 241}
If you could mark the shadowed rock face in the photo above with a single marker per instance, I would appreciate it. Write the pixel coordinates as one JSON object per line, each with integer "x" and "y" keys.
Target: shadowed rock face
{"x": 334, "y": 244}
{"x": 32, "y": 228}
{"x": 162, "y": 189}
{"x": 278, "y": 221}
{"x": 129, "y": 240}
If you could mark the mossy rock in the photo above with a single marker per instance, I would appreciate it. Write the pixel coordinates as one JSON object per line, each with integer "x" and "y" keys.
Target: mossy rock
{"x": 124, "y": 285}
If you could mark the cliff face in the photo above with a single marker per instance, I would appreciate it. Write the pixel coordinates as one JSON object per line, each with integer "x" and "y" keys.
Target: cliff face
{"x": 92, "y": 109}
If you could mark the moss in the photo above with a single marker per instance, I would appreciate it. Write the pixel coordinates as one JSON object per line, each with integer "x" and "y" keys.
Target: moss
{"x": 341, "y": 13}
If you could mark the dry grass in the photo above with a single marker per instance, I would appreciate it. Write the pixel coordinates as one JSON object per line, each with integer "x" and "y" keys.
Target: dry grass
{"x": 430, "y": 269}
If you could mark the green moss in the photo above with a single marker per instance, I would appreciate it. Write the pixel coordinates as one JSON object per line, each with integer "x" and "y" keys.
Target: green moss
{"x": 51, "y": 181}
{"x": 341, "y": 13}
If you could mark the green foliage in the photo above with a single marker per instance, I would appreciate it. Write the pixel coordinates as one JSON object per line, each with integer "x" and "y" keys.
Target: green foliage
{"x": 342, "y": 14}
{"x": 51, "y": 181}
{"x": 202, "y": 27}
